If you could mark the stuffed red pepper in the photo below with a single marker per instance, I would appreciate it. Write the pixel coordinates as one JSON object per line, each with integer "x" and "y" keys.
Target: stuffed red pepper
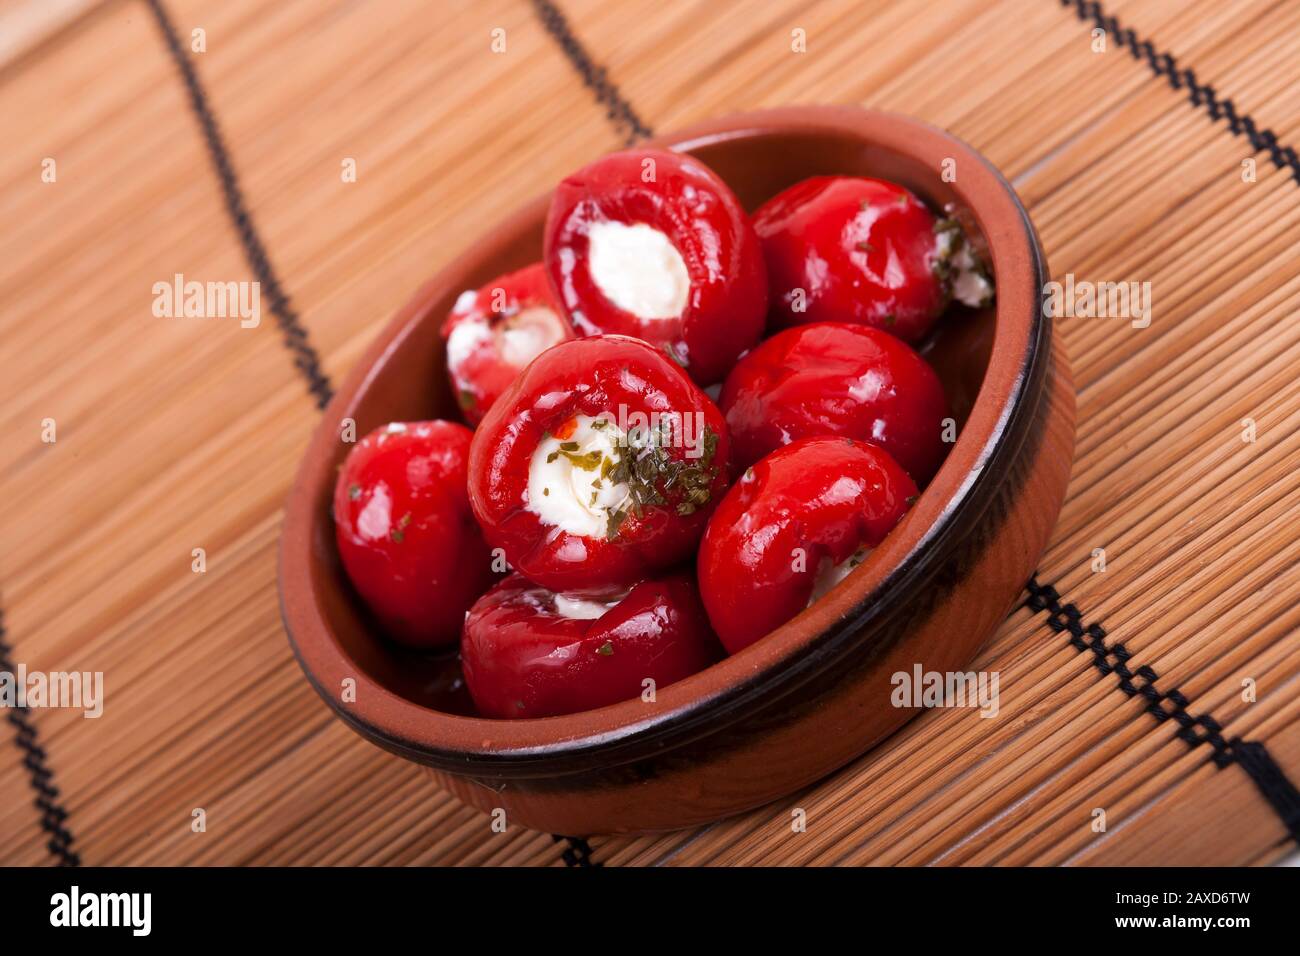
{"x": 599, "y": 466}
{"x": 493, "y": 333}
{"x": 653, "y": 244}
{"x": 795, "y": 525}
{"x": 405, "y": 533}
{"x": 851, "y": 249}
{"x": 531, "y": 652}
{"x": 837, "y": 379}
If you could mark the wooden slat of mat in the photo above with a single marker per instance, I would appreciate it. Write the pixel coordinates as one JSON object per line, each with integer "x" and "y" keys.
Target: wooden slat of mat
{"x": 175, "y": 435}
{"x": 1205, "y": 802}
{"x": 24, "y": 25}
{"x": 18, "y": 815}
{"x": 272, "y": 822}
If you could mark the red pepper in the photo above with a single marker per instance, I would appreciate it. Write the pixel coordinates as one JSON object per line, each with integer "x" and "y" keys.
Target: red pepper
{"x": 665, "y": 223}
{"x": 529, "y": 652}
{"x": 847, "y": 249}
{"x": 794, "y": 525}
{"x": 493, "y": 333}
{"x": 599, "y": 466}
{"x": 837, "y": 379}
{"x": 405, "y": 532}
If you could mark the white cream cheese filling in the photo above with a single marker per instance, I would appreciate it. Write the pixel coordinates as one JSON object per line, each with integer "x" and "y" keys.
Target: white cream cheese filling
{"x": 830, "y": 574}
{"x": 585, "y": 608}
{"x": 565, "y": 485}
{"x": 575, "y": 605}
{"x": 519, "y": 338}
{"x": 969, "y": 285}
{"x": 638, "y": 269}
{"x": 464, "y": 341}
{"x": 528, "y": 334}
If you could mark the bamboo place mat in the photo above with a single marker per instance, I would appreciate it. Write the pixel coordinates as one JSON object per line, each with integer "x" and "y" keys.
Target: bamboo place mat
{"x": 181, "y": 434}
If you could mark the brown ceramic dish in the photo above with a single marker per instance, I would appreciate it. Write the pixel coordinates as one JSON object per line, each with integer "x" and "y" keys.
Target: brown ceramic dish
{"x": 812, "y": 695}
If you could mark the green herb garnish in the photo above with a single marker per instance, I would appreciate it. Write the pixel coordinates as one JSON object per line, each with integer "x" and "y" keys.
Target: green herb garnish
{"x": 615, "y": 521}
{"x": 588, "y": 462}
{"x": 651, "y": 474}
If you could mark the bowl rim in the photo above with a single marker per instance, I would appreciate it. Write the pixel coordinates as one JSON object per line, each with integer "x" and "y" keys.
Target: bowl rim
{"x": 801, "y": 649}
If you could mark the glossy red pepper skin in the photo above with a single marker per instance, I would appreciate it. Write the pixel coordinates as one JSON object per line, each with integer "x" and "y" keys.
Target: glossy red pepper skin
{"x": 814, "y": 500}
{"x": 485, "y": 328}
{"x": 833, "y": 378}
{"x": 727, "y": 305}
{"x": 405, "y": 533}
{"x": 611, "y": 375}
{"x": 522, "y": 658}
{"x": 860, "y": 250}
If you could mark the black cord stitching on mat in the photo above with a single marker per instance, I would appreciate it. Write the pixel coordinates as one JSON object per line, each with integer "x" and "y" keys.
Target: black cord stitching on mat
{"x": 578, "y": 853}
{"x": 1252, "y": 757}
{"x": 595, "y": 77}
{"x": 1200, "y": 94}
{"x": 306, "y": 358}
{"x": 35, "y": 759}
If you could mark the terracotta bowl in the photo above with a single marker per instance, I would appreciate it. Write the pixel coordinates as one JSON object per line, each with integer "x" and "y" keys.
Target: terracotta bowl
{"x": 814, "y": 694}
